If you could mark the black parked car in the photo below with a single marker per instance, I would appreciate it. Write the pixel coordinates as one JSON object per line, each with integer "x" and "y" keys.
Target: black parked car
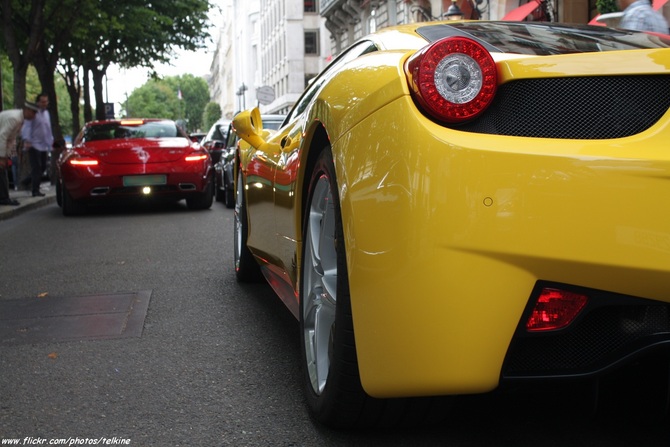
{"x": 216, "y": 138}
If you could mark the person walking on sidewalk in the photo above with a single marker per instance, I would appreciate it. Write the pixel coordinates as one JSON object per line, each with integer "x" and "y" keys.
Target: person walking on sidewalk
{"x": 38, "y": 141}
{"x": 11, "y": 122}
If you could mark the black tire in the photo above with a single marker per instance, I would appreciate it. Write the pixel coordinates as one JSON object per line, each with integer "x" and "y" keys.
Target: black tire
{"x": 219, "y": 195}
{"x": 59, "y": 194}
{"x": 228, "y": 193}
{"x": 246, "y": 267}
{"x": 69, "y": 206}
{"x": 203, "y": 200}
{"x": 334, "y": 392}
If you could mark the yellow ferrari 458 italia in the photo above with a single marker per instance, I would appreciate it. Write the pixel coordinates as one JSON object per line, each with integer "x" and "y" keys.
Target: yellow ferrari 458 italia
{"x": 452, "y": 206}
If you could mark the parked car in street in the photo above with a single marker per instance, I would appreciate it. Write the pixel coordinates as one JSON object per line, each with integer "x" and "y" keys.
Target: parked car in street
{"x": 215, "y": 140}
{"x": 197, "y": 136}
{"x": 131, "y": 159}
{"x": 451, "y": 207}
{"x": 224, "y": 168}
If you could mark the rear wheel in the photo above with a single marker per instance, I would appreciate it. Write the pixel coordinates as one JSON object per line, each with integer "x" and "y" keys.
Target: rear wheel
{"x": 203, "y": 200}
{"x": 59, "y": 194}
{"x": 69, "y": 206}
{"x": 219, "y": 192}
{"x": 246, "y": 267}
{"x": 228, "y": 195}
{"x": 334, "y": 391}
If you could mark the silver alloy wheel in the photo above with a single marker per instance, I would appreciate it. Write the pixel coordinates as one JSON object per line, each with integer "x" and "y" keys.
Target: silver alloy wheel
{"x": 237, "y": 243}
{"x": 319, "y": 283}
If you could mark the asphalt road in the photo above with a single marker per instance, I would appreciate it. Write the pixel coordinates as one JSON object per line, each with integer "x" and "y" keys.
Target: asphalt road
{"x": 214, "y": 363}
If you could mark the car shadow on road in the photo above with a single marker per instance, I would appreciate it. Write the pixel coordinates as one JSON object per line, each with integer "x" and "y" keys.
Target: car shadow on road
{"x": 618, "y": 411}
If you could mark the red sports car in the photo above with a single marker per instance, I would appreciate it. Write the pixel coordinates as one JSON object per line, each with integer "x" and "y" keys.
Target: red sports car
{"x": 132, "y": 159}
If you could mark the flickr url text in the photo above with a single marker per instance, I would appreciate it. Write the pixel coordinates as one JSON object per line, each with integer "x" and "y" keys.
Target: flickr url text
{"x": 29, "y": 440}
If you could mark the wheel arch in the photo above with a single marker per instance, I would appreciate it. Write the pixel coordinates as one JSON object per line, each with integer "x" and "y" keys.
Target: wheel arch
{"x": 314, "y": 143}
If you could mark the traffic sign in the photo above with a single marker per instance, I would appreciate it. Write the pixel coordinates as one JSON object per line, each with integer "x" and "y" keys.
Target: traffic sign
{"x": 265, "y": 94}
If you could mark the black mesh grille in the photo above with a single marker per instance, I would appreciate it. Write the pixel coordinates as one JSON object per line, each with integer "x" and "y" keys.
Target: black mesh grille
{"x": 605, "y": 335}
{"x": 582, "y": 108}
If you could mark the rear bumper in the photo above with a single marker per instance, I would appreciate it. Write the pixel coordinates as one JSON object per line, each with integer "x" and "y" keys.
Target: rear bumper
{"x": 448, "y": 238}
{"x": 86, "y": 185}
{"x": 611, "y": 330}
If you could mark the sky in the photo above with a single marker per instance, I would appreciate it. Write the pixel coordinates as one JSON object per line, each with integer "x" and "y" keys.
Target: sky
{"x": 121, "y": 82}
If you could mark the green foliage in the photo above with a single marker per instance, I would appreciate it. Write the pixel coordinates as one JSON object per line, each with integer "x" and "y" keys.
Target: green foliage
{"x": 211, "y": 115}
{"x": 155, "y": 99}
{"x": 96, "y": 34}
{"x": 159, "y": 98}
{"x": 195, "y": 96}
{"x": 7, "y": 83}
{"x": 32, "y": 83}
{"x": 606, "y": 6}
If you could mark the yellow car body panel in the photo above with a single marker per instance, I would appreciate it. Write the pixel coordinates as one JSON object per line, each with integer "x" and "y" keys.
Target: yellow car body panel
{"x": 493, "y": 207}
{"x": 447, "y": 232}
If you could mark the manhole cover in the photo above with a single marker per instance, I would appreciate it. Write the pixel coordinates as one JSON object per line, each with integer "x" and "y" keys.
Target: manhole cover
{"x": 52, "y": 319}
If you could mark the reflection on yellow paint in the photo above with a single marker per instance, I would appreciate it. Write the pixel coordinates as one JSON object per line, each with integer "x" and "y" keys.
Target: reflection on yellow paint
{"x": 640, "y": 237}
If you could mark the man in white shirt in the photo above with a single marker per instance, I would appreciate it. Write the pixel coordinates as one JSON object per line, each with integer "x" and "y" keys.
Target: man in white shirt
{"x": 10, "y": 126}
{"x": 640, "y": 15}
{"x": 38, "y": 141}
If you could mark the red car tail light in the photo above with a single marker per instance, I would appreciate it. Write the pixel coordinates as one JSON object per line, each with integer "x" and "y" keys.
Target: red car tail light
{"x": 555, "y": 309}
{"x": 453, "y": 79}
{"x": 132, "y": 122}
{"x": 83, "y": 161}
{"x": 195, "y": 157}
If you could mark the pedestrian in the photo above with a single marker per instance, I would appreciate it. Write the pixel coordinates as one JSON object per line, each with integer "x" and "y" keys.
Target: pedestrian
{"x": 640, "y": 15}
{"x": 11, "y": 122}
{"x": 38, "y": 141}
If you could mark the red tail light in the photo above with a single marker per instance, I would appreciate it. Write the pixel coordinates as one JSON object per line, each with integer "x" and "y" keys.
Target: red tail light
{"x": 83, "y": 161}
{"x": 453, "y": 79}
{"x": 195, "y": 157}
{"x": 555, "y": 309}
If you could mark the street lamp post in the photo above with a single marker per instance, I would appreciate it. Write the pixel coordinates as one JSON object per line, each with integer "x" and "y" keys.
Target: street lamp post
{"x": 240, "y": 93}
{"x": 454, "y": 12}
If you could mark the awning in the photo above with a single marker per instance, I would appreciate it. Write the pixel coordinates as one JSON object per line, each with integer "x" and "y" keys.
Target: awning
{"x": 523, "y": 11}
{"x": 656, "y": 4}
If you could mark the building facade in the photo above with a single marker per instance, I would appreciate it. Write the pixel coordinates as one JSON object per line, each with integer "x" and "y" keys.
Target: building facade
{"x": 279, "y": 45}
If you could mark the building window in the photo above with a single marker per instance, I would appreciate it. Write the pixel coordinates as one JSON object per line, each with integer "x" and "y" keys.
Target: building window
{"x": 309, "y": 5}
{"x": 311, "y": 42}
{"x": 372, "y": 22}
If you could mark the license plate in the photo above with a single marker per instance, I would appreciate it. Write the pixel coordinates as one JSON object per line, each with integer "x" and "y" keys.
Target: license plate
{"x": 144, "y": 180}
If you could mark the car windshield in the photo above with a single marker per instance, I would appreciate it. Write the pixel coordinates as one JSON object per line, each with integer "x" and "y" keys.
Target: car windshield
{"x": 121, "y": 130}
{"x": 541, "y": 38}
{"x": 272, "y": 123}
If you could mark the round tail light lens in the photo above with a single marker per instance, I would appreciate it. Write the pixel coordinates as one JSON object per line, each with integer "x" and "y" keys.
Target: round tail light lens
{"x": 453, "y": 79}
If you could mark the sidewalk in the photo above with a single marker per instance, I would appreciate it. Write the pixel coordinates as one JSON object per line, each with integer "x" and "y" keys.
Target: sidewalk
{"x": 27, "y": 201}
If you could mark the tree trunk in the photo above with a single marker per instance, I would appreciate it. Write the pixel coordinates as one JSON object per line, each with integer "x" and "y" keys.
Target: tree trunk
{"x": 73, "y": 84}
{"x": 19, "y": 99}
{"x": 98, "y": 76}
{"x": 88, "y": 115}
{"x": 46, "y": 67}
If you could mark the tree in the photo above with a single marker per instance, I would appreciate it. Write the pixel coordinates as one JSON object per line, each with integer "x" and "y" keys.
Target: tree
{"x": 154, "y": 99}
{"x": 175, "y": 97}
{"x": 143, "y": 33}
{"x": 95, "y": 34}
{"x": 606, "y": 6}
{"x": 211, "y": 115}
{"x": 193, "y": 95}
{"x": 22, "y": 28}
